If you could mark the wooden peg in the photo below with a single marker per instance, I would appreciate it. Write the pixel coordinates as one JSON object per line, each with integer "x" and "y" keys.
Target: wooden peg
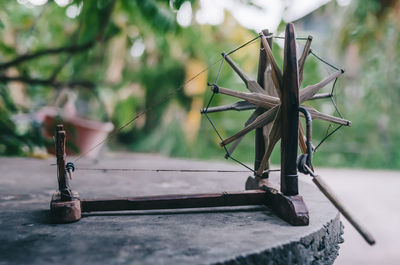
{"x": 65, "y": 205}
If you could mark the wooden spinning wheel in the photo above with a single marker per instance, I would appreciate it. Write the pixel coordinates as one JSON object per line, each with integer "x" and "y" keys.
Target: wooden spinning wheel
{"x": 276, "y": 99}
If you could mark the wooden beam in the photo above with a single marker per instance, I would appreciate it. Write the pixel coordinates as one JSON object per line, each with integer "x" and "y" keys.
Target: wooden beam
{"x": 289, "y": 115}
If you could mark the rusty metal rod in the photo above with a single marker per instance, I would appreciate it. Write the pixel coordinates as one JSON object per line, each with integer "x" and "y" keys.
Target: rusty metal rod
{"x": 241, "y": 198}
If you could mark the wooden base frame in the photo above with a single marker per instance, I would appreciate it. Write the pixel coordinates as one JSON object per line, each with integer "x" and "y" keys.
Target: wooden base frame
{"x": 291, "y": 209}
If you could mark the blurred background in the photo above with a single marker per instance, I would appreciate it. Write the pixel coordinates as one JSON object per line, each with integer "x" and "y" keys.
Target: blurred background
{"x": 97, "y": 64}
{"x": 106, "y": 61}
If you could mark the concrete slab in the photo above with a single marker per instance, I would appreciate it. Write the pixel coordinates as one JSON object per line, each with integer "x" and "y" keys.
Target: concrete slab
{"x": 245, "y": 235}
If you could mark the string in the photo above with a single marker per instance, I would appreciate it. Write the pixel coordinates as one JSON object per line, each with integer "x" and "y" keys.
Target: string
{"x": 166, "y": 170}
{"x": 174, "y": 91}
{"x": 227, "y": 154}
{"x": 331, "y": 97}
{"x": 162, "y": 100}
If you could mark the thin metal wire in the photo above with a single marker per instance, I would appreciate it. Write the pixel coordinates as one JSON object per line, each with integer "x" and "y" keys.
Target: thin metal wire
{"x": 166, "y": 170}
{"x": 243, "y": 45}
{"x": 150, "y": 108}
{"x": 162, "y": 100}
{"x": 331, "y": 96}
{"x": 327, "y": 136}
{"x": 322, "y": 60}
{"x": 227, "y": 155}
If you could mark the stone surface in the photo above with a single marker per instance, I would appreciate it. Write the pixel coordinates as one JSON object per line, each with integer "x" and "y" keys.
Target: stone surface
{"x": 245, "y": 235}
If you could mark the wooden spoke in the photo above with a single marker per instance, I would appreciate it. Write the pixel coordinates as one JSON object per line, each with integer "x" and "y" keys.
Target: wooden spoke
{"x": 273, "y": 138}
{"x": 237, "y": 141}
{"x": 302, "y": 60}
{"x": 258, "y": 99}
{"x": 238, "y": 106}
{"x": 309, "y": 91}
{"x": 251, "y": 84}
{"x": 276, "y": 71}
{"x": 321, "y": 95}
{"x": 260, "y": 121}
{"x": 315, "y": 114}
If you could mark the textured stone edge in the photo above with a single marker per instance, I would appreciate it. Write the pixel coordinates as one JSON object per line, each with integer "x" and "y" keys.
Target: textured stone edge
{"x": 318, "y": 248}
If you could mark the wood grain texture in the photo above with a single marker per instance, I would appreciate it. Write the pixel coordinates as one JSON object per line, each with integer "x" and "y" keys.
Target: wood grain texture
{"x": 315, "y": 114}
{"x": 303, "y": 57}
{"x": 258, "y": 99}
{"x": 289, "y": 115}
{"x": 327, "y": 191}
{"x": 273, "y": 137}
{"x": 276, "y": 71}
{"x": 309, "y": 91}
{"x": 235, "y": 144}
{"x": 260, "y": 121}
{"x": 260, "y": 140}
{"x": 251, "y": 84}
{"x": 65, "y": 211}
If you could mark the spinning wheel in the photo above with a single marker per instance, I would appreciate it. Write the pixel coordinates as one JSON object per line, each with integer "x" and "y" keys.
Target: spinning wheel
{"x": 276, "y": 101}
{"x": 278, "y": 105}
{"x": 268, "y": 100}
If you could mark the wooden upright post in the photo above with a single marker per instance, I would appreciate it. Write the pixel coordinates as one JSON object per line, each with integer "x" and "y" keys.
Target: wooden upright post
{"x": 63, "y": 181}
{"x": 260, "y": 142}
{"x": 65, "y": 206}
{"x": 290, "y": 115}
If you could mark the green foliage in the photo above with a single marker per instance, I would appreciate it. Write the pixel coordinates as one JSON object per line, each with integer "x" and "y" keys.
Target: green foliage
{"x": 15, "y": 141}
{"x": 109, "y": 29}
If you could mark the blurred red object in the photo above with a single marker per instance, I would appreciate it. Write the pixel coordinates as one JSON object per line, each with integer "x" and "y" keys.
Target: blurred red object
{"x": 82, "y": 134}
